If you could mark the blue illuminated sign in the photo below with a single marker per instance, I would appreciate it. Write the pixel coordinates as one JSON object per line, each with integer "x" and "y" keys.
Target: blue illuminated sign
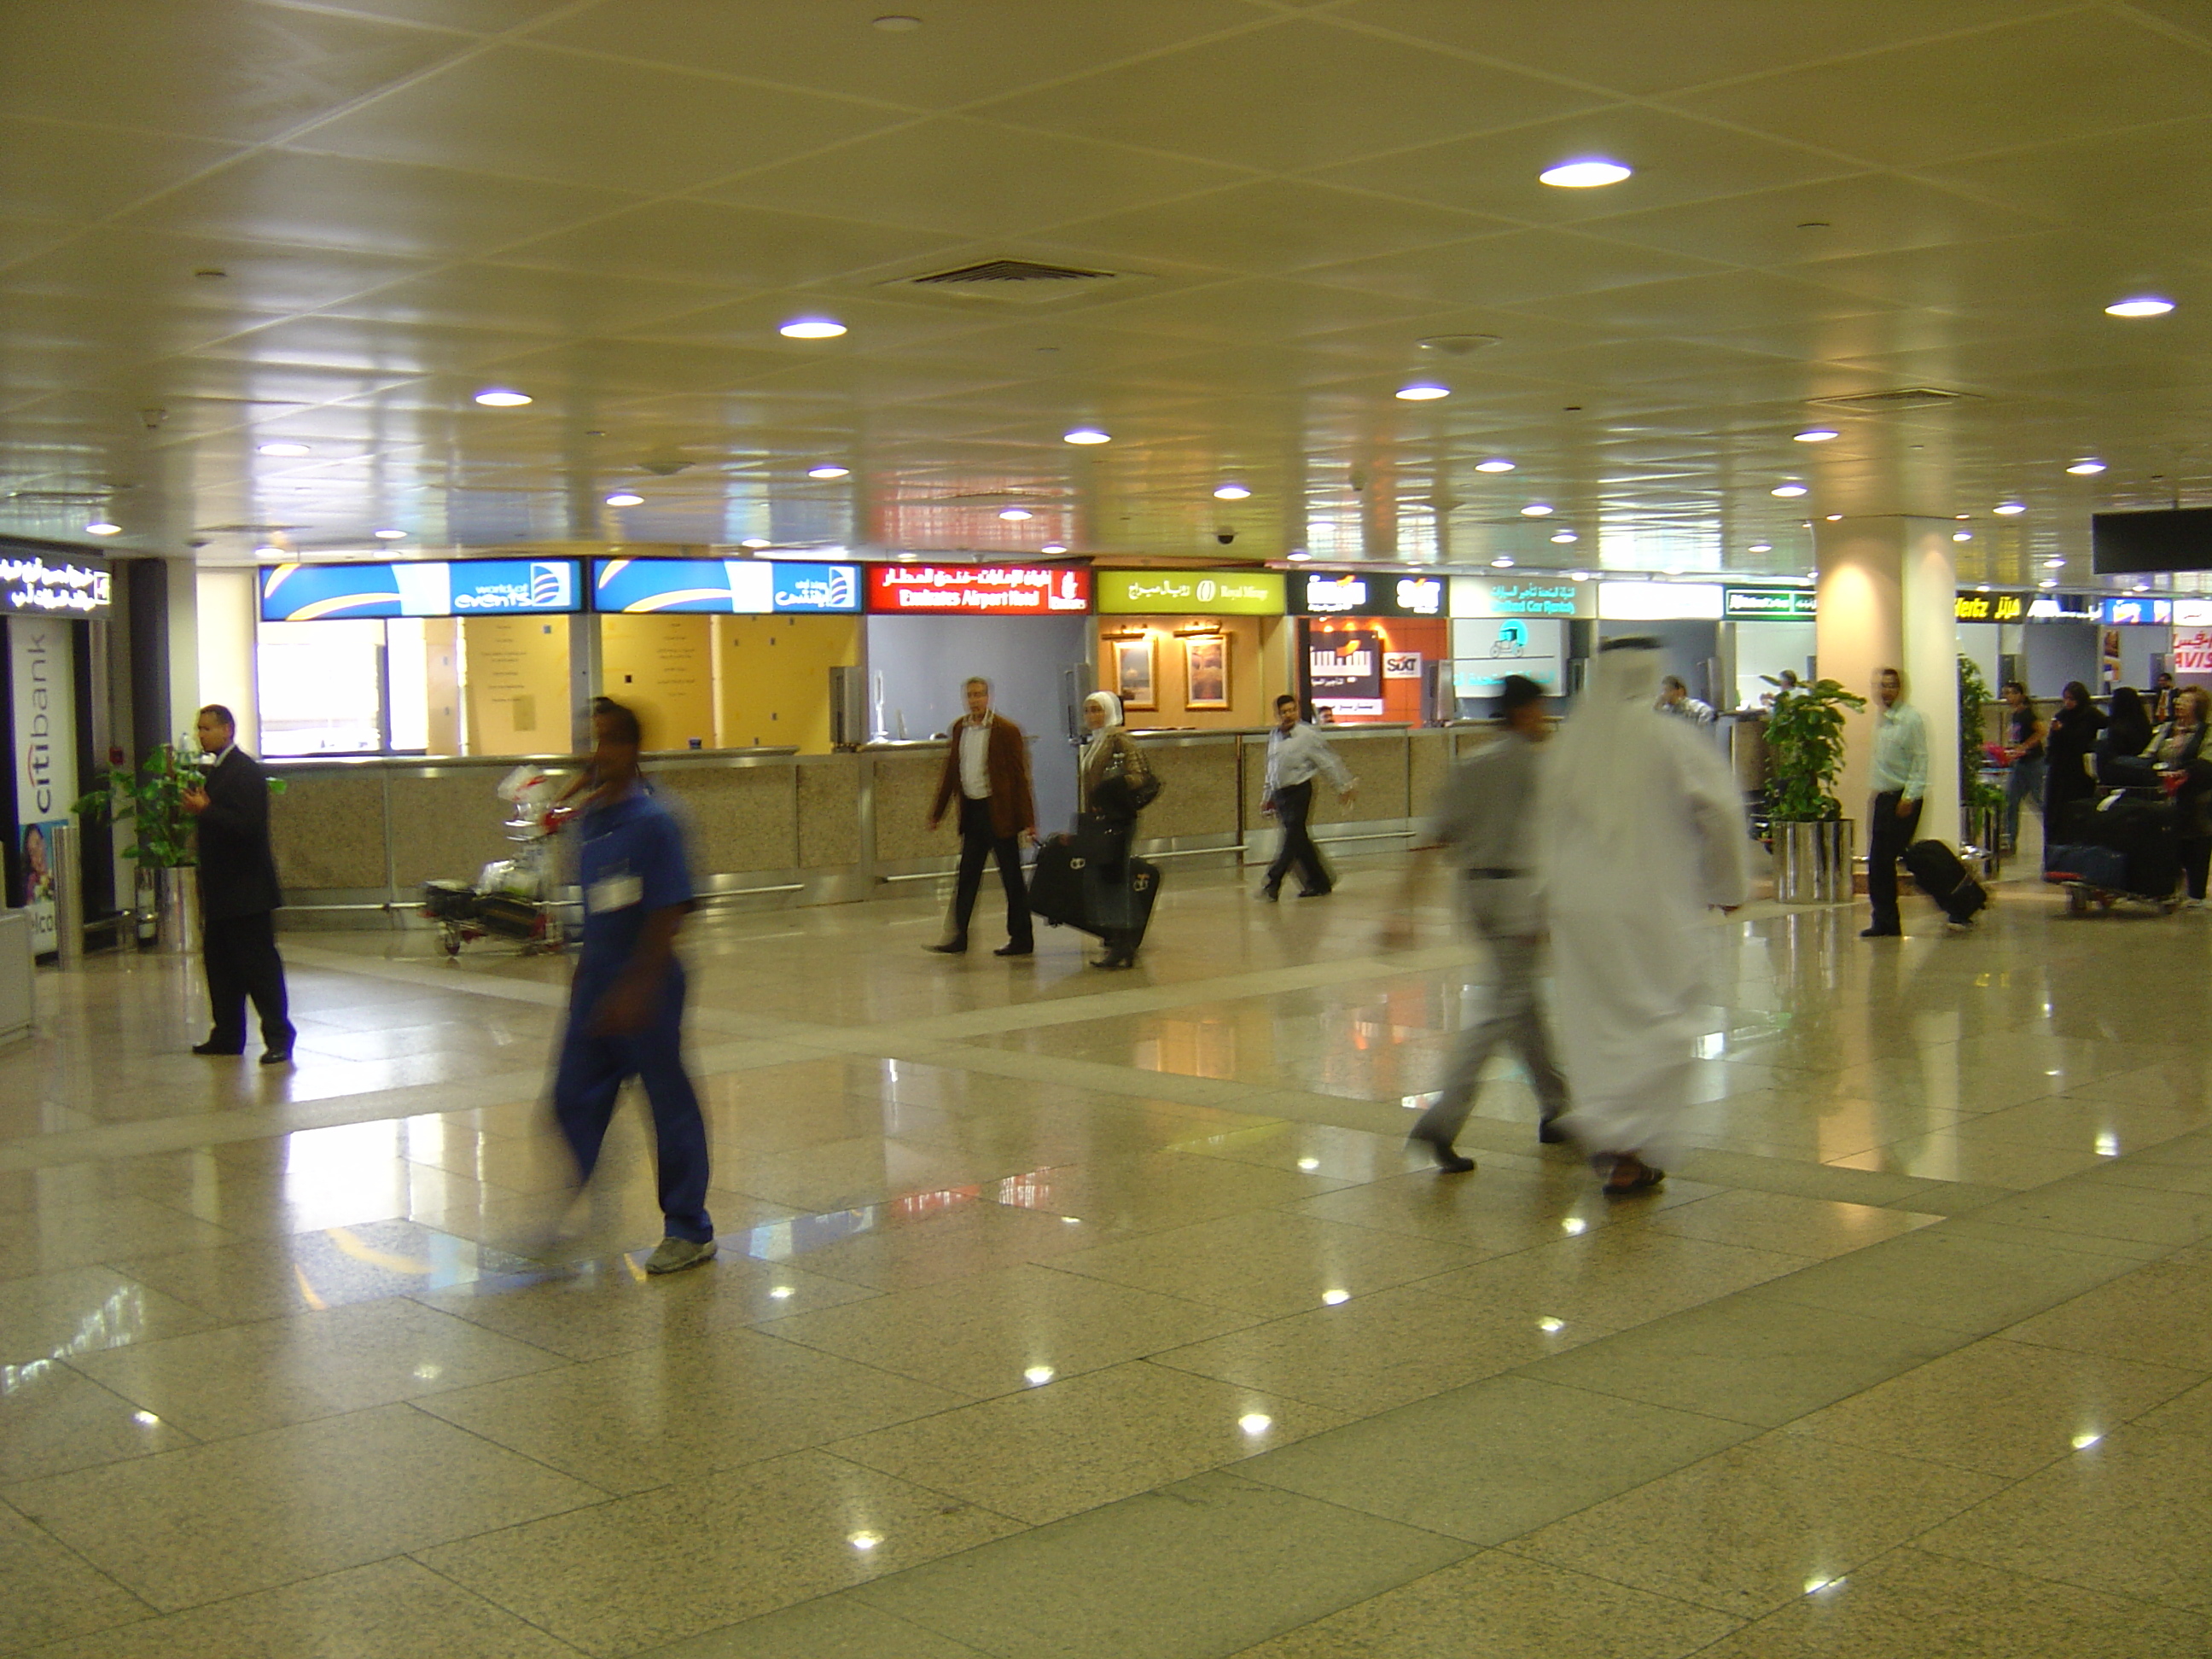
{"x": 428, "y": 587}
{"x": 750, "y": 588}
{"x": 2120, "y": 613}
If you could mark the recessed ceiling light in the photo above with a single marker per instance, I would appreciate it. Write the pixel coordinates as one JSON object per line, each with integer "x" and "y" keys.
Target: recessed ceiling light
{"x": 1788, "y": 491}
{"x": 1537, "y": 510}
{"x": 1586, "y": 174}
{"x": 2140, "y": 587}
{"x": 1962, "y": 517}
{"x": 2048, "y": 582}
{"x": 1982, "y": 587}
{"x": 389, "y": 535}
{"x": 1501, "y": 562}
{"x": 1231, "y": 492}
{"x": 1579, "y": 575}
{"x": 755, "y": 542}
{"x": 500, "y": 397}
{"x": 1565, "y": 538}
{"x": 1422, "y": 391}
{"x": 1054, "y": 547}
{"x": 898, "y": 24}
{"x": 2142, "y": 306}
{"x": 1762, "y": 547}
{"x": 1962, "y": 535}
{"x": 1086, "y": 434}
{"x": 1496, "y": 464}
{"x": 2087, "y": 467}
{"x": 1016, "y": 514}
{"x": 811, "y": 328}
{"x": 1300, "y": 555}
{"x": 625, "y": 498}
{"x": 102, "y": 527}
{"x": 1818, "y": 434}
{"x": 1674, "y": 570}
{"x": 829, "y": 471}
{"x": 2009, "y": 509}
{"x": 2054, "y": 564}
{"x": 268, "y": 552}
{"x": 284, "y": 449}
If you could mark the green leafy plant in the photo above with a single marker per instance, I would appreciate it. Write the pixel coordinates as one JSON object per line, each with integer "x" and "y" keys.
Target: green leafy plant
{"x": 1973, "y": 695}
{"x": 1805, "y": 751}
{"x": 152, "y": 798}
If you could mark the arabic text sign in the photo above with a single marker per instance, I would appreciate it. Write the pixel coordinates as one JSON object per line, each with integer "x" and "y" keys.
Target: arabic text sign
{"x": 2192, "y": 653}
{"x": 1768, "y": 604}
{"x": 749, "y": 588}
{"x": 1486, "y": 596}
{"x": 1316, "y": 594}
{"x": 427, "y": 587}
{"x": 72, "y": 585}
{"x": 1191, "y": 593}
{"x": 977, "y": 590}
{"x": 1991, "y": 607}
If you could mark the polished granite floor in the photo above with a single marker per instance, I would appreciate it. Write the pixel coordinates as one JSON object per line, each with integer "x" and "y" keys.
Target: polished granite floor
{"x": 1062, "y": 1313}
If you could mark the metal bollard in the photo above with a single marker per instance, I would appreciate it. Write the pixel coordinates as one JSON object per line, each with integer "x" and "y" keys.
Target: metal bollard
{"x": 61, "y": 853}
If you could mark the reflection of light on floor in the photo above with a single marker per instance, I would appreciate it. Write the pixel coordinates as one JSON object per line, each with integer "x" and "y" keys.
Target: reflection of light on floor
{"x": 119, "y": 1318}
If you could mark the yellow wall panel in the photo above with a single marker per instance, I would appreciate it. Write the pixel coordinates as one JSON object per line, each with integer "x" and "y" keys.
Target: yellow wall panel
{"x": 773, "y": 677}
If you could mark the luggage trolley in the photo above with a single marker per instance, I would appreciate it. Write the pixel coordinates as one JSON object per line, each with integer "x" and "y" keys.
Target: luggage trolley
{"x": 513, "y": 898}
{"x": 2123, "y": 849}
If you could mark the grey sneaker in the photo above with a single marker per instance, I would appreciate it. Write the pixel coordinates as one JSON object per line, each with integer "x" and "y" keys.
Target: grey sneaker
{"x": 675, "y": 1255}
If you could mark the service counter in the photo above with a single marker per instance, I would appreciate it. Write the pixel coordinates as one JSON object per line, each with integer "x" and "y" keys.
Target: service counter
{"x": 356, "y": 838}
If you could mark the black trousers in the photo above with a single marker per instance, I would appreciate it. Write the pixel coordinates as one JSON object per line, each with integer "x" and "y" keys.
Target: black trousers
{"x": 2196, "y": 861}
{"x": 239, "y": 954}
{"x": 1293, "y": 806}
{"x": 1887, "y": 837}
{"x": 980, "y": 841}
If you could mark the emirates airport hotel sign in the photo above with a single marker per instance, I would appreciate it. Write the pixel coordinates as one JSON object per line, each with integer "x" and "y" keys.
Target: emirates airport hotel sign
{"x": 939, "y": 590}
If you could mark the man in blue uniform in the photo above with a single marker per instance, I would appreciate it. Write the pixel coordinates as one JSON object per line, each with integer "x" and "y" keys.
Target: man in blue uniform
{"x": 626, "y": 1004}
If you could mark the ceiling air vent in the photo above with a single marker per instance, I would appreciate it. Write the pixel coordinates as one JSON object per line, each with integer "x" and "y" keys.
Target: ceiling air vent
{"x": 1902, "y": 401}
{"x": 1021, "y": 281}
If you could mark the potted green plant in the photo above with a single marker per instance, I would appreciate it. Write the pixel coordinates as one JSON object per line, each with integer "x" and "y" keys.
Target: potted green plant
{"x": 152, "y": 800}
{"x": 1982, "y": 804}
{"x": 1812, "y": 838}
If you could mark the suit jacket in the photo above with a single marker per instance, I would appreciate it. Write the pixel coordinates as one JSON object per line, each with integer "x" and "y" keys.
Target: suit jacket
{"x": 1006, "y": 759}
{"x": 238, "y": 865}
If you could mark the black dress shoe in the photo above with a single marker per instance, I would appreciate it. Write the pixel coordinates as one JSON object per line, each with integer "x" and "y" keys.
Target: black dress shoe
{"x": 1315, "y": 892}
{"x": 217, "y": 1048}
{"x": 1271, "y": 892}
{"x": 276, "y": 1057}
{"x": 1551, "y": 1134}
{"x": 1025, "y": 947}
{"x": 951, "y": 947}
{"x": 1450, "y": 1161}
{"x": 1881, "y": 932}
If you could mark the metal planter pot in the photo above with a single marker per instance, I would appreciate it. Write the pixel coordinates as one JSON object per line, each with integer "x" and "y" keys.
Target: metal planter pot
{"x": 177, "y": 905}
{"x": 1812, "y": 862}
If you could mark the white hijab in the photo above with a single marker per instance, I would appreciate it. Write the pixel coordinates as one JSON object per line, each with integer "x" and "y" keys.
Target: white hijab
{"x": 1603, "y": 765}
{"x": 1109, "y": 705}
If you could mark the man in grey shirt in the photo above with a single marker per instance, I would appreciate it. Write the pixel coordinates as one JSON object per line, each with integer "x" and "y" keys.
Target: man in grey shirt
{"x": 1485, "y": 814}
{"x": 1296, "y": 754}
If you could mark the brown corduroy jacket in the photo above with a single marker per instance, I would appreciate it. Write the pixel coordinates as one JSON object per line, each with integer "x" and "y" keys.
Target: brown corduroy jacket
{"x": 1014, "y": 804}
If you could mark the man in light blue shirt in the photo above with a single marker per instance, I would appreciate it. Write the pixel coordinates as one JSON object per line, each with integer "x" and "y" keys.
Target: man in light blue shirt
{"x": 1295, "y": 752}
{"x": 1900, "y": 783}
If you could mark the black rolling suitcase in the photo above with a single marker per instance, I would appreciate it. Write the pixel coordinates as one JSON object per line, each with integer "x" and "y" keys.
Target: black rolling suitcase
{"x": 1056, "y": 884}
{"x": 2142, "y": 830}
{"x": 1067, "y": 890}
{"x": 1946, "y": 879}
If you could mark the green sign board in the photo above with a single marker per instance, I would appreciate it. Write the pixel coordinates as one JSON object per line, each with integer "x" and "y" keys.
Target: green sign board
{"x": 1190, "y": 593}
{"x": 1767, "y": 604}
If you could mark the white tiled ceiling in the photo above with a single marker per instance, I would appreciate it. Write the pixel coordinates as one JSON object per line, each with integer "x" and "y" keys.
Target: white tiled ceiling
{"x": 229, "y": 222}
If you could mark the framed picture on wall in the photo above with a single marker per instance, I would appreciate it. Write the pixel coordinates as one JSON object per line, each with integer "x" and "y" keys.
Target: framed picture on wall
{"x": 1206, "y": 670}
{"x": 1132, "y": 672}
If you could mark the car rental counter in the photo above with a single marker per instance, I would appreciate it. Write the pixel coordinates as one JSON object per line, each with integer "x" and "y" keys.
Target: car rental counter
{"x": 356, "y": 838}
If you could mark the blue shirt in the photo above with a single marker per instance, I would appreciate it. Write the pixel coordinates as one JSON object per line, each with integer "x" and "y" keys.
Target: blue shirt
{"x": 630, "y": 864}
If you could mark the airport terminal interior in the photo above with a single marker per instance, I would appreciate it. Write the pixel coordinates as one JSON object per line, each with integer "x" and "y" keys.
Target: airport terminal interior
{"x": 406, "y": 376}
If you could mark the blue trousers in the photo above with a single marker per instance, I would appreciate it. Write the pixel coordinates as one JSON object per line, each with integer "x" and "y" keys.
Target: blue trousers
{"x": 591, "y": 1074}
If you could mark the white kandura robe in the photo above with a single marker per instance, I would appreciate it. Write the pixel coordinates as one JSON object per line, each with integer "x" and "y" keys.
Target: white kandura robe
{"x": 1633, "y": 943}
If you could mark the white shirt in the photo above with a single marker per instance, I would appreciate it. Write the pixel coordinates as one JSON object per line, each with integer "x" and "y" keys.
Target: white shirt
{"x": 1294, "y": 755}
{"x": 1900, "y": 752}
{"x": 975, "y": 758}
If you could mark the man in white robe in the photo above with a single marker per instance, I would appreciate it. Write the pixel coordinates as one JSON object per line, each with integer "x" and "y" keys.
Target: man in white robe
{"x": 1643, "y": 835}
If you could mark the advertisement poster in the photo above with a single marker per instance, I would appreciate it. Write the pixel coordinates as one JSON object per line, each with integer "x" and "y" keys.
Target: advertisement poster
{"x": 420, "y": 587}
{"x": 1346, "y": 672}
{"x": 2192, "y": 654}
{"x": 43, "y": 728}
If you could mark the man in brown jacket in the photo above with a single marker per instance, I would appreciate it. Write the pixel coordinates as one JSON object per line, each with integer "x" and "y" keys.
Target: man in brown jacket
{"x": 987, "y": 769}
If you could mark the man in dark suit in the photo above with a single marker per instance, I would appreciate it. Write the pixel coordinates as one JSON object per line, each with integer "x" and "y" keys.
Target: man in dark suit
{"x": 239, "y": 895}
{"x": 987, "y": 769}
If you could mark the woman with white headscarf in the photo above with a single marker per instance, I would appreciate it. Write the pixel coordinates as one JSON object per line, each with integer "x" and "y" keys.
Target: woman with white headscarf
{"x": 1113, "y": 772}
{"x": 1643, "y": 833}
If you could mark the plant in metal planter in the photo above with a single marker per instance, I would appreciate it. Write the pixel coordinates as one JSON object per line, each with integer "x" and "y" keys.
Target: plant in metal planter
{"x": 1805, "y": 751}
{"x": 152, "y": 798}
{"x": 1973, "y": 696}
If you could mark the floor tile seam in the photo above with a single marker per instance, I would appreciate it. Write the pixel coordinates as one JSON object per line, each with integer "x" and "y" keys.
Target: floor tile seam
{"x": 55, "y": 1542}
{"x": 2022, "y": 1569}
{"x": 1513, "y": 1546}
{"x": 413, "y": 1560}
{"x": 1795, "y": 1426}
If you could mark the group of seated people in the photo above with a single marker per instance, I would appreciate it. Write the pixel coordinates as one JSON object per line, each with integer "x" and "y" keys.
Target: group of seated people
{"x": 2137, "y": 742}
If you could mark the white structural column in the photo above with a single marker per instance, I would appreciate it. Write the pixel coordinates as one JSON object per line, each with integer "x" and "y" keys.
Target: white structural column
{"x": 1888, "y": 599}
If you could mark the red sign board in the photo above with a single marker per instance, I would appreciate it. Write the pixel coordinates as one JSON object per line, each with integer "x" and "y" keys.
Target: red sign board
{"x": 964, "y": 590}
